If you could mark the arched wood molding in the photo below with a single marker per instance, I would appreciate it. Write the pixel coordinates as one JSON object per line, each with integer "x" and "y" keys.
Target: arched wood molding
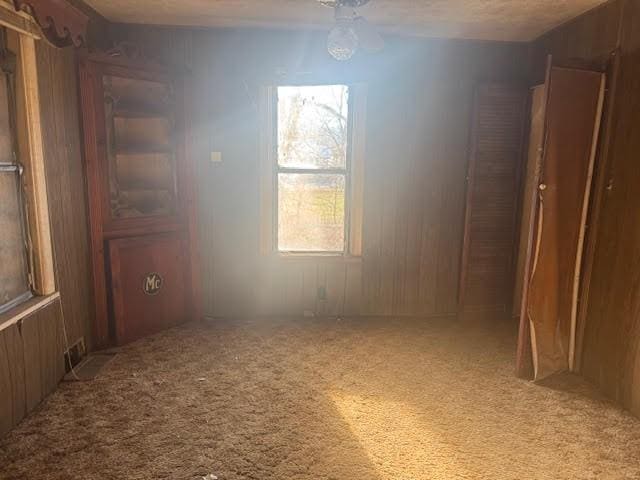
{"x": 62, "y": 23}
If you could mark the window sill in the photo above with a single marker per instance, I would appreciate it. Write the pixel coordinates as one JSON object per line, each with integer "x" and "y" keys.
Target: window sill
{"x": 25, "y": 309}
{"x": 316, "y": 257}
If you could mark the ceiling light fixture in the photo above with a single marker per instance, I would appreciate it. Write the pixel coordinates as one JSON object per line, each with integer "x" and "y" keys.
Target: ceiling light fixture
{"x": 342, "y": 42}
{"x": 351, "y": 30}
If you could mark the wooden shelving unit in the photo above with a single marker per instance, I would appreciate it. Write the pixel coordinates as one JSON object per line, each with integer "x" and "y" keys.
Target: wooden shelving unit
{"x": 140, "y": 189}
{"x": 141, "y": 147}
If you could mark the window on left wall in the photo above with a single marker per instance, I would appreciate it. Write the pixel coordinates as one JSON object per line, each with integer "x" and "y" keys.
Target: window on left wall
{"x": 15, "y": 275}
{"x": 26, "y": 251}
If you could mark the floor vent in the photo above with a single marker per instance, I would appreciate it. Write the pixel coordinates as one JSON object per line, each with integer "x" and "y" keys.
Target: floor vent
{"x": 90, "y": 367}
{"x": 74, "y": 355}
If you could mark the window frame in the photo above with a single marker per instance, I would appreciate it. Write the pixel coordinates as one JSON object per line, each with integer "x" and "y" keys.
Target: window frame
{"x": 346, "y": 172}
{"x": 17, "y": 170}
{"x": 30, "y": 156}
{"x": 353, "y": 173}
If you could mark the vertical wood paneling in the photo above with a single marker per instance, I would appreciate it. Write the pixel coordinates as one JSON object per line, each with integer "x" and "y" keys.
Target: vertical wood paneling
{"x": 31, "y": 364}
{"x": 12, "y": 401}
{"x": 590, "y": 37}
{"x": 419, "y": 106}
{"x": 612, "y": 334}
{"x": 611, "y": 356}
{"x": 65, "y": 183}
{"x": 31, "y": 357}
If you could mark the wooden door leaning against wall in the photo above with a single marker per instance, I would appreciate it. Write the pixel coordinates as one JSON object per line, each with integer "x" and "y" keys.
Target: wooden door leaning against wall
{"x": 556, "y": 214}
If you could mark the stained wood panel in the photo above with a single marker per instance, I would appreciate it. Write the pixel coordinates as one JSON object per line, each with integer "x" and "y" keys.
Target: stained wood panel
{"x": 589, "y": 38}
{"x": 612, "y": 317}
{"x": 528, "y": 227}
{"x": 612, "y": 326}
{"x": 12, "y": 401}
{"x": 419, "y": 105}
{"x": 530, "y": 181}
{"x": 572, "y": 126}
{"x": 31, "y": 363}
{"x": 65, "y": 185}
{"x": 492, "y": 198}
{"x": 31, "y": 358}
{"x": 138, "y": 312}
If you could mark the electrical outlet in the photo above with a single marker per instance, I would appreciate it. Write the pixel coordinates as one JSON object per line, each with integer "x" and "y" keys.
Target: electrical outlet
{"x": 322, "y": 294}
{"x": 216, "y": 157}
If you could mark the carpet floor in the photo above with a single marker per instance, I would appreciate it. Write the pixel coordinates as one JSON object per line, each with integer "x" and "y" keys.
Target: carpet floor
{"x": 323, "y": 399}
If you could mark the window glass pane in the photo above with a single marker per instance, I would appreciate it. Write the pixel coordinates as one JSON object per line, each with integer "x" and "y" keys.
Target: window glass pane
{"x": 312, "y": 126}
{"x": 311, "y": 214}
{"x": 14, "y": 283}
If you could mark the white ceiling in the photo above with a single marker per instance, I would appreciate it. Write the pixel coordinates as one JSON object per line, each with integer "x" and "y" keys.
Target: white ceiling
{"x": 516, "y": 20}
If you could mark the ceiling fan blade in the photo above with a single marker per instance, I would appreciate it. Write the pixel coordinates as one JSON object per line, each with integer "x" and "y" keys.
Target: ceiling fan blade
{"x": 368, "y": 36}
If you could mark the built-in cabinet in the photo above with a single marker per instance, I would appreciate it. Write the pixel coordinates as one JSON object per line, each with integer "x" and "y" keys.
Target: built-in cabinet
{"x": 141, "y": 196}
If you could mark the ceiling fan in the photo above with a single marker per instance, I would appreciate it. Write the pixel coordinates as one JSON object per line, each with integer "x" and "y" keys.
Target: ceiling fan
{"x": 352, "y": 31}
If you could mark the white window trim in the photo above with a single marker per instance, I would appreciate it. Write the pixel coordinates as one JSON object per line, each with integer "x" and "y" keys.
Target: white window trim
{"x": 268, "y": 152}
{"x": 32, "y": 157}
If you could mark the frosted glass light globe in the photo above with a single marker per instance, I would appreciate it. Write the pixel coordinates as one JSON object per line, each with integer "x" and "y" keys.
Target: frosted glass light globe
{"x": 342, "y": 42}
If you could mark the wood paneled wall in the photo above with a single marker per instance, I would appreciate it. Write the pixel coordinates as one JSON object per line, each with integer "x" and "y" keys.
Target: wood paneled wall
{"x": 419, "y": 112}
{"x": 66, "y": 186}
{"x": 31, "y": 364}
{"x": 591, "y": 37}
{"x": 611, "y": 351}
{"x": 31, "y": 357}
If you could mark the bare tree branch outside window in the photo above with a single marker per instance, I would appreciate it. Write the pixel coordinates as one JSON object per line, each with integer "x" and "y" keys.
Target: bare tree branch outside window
{"x": 313, "y": 129}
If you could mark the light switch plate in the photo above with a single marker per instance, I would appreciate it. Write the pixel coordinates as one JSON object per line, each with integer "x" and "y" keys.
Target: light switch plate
{"x": 216, "y": 157}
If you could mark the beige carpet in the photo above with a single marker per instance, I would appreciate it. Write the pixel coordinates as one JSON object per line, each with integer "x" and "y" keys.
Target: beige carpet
{"x": 394, "y": 400}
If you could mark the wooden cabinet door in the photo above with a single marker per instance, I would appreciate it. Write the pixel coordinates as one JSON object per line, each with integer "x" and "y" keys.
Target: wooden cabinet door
{"x": 149, "y": 284}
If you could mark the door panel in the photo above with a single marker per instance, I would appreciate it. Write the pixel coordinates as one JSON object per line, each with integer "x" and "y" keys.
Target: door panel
{"x": 492, "y": 197}
{"x": 149, "y": 284}
{"x": 573, "y": 112}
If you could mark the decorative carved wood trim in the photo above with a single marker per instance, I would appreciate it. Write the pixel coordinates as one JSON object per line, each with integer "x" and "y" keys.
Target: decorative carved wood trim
{"x": 62, "y": 23}
{"x": 20, "y": 22}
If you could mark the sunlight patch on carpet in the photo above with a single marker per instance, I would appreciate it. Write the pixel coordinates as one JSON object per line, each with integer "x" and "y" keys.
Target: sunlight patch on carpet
{"x": 396, "y": 438}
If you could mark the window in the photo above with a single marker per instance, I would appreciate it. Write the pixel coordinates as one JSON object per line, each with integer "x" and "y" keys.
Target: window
{"x": 312, "y": 165}
{"x": 26, "y": 256}
{"x": 14, "y": 276}
{"x": 312, "y": 169}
